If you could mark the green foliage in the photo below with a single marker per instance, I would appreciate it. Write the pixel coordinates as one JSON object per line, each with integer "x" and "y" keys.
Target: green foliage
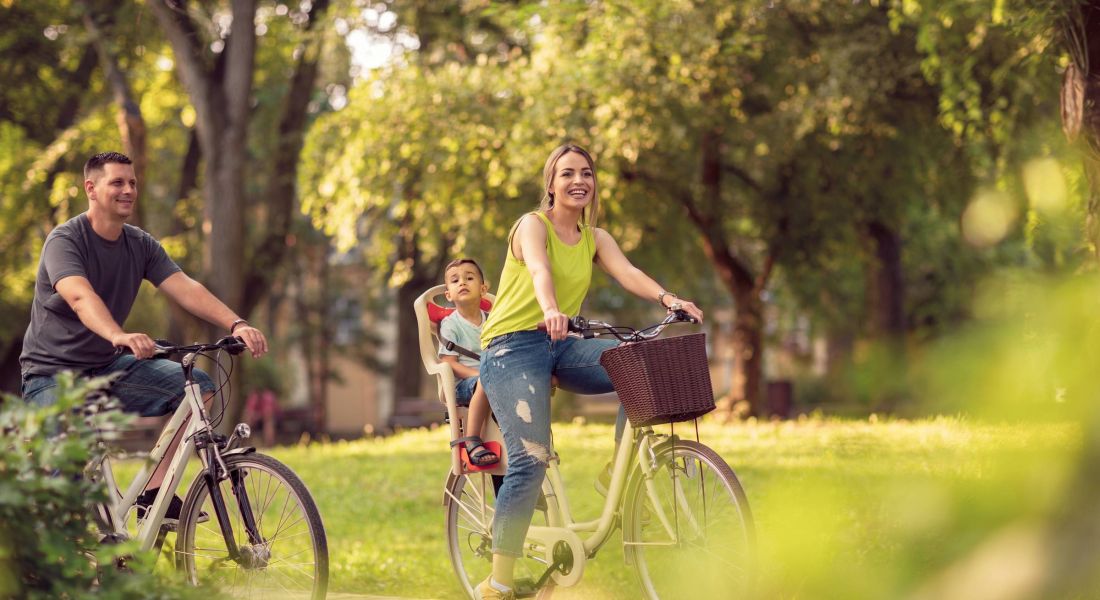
{"x": 48, "y": 547}
{"x": 417, "y": 154}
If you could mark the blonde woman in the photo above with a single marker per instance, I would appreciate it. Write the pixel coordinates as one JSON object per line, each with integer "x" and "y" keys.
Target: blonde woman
{"x": 546, "y": 276}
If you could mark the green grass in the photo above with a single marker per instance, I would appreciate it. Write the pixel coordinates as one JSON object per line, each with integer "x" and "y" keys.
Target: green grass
{"x": 844, "y": 509}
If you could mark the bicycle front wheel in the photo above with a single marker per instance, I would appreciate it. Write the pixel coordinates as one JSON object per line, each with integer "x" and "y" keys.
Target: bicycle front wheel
{"x": 688, "y": 530}
{"x": 282, "y": 551}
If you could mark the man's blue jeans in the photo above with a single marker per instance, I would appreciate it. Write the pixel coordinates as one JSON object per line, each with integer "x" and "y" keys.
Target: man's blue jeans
{"x": 148, "y": 387}
{"x": 515, "y": 371}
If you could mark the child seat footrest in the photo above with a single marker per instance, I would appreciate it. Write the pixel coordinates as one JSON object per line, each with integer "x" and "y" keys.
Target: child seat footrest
{"x": 491, "y": 446}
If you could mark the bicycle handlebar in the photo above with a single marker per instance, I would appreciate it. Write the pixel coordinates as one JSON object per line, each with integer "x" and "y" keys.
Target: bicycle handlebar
{"x": 231, "y": 344}
{"x": 587, "y": 328}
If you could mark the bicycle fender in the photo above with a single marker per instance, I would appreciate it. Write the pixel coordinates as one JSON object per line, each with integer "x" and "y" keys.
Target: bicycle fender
{"x": 236, "y": 451}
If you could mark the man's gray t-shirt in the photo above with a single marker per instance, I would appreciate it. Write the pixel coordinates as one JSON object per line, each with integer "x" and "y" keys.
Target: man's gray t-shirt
{"x": 56, "y": 340}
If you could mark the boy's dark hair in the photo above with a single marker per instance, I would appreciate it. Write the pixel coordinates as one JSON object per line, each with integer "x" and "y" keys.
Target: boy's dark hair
{"x": 464, "y": 261}
{"x": 96, "y": 162}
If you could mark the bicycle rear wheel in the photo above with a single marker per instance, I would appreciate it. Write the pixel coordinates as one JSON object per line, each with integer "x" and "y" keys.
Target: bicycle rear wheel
{"x": 689, "y": 530}
{"x": 285, "y": 555}
{"x": 469, "y": 504}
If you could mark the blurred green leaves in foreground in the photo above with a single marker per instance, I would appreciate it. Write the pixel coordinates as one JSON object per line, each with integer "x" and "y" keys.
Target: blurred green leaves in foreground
{"x": 1006, "y": 508}
{"x": 48, "y": 547}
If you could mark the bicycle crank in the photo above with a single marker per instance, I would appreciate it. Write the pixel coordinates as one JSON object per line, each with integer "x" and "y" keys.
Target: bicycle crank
{"x": 563, "y": 551}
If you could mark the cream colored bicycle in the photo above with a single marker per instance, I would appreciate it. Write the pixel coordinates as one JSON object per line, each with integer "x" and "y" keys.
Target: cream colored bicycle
{"x": 686, "y": 524}
{"x": 248, "y": 524}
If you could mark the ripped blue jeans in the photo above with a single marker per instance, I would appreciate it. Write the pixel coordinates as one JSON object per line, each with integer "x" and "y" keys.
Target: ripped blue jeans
{"x": 515, "y": 371}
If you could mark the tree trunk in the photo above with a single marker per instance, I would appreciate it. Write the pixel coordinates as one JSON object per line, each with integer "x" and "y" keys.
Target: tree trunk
{"x": 11, "y": 377}
{"x": 221, "y": 99}
{"x": 280, "y": 198}
{"x": 887, "y": 282}
{"x": 131, "y": 125}
{"x": 734, "y": 273}
{"x": 748, "y": 348}
{"x": 407, "y": 368}
{"x": 1080, "y": 101}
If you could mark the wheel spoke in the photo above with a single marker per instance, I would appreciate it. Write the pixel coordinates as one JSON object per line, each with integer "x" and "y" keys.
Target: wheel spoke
{"x": 301, "y": 571}
{"x": 690, "y": 522}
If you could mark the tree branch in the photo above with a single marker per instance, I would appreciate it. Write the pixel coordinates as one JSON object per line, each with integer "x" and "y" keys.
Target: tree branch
{"x": 131, "y": 123}
{"x": 240, "y": 51}
{"x": 187, "y": 47}
{"x": 280, "y": 193}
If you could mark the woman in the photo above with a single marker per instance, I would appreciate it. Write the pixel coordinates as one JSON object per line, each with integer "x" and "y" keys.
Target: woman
{"x": 546, "y": 276}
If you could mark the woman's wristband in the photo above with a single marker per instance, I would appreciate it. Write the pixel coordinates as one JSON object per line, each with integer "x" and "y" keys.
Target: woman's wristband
{"x": 233, "y": 325}
{"x": 661, "y": 297}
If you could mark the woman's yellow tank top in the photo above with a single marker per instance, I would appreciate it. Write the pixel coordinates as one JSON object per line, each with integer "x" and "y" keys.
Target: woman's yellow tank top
{"x": 516, "y": 308}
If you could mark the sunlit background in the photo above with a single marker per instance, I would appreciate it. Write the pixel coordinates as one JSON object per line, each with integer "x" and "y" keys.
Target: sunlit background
{"x": 887, "y": 208}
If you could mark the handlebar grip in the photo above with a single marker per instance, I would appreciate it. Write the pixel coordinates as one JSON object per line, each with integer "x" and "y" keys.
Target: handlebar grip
{"x": 576, "y": 324}
{"x": 683, "y": 316}
{"x": 232, "y": 344}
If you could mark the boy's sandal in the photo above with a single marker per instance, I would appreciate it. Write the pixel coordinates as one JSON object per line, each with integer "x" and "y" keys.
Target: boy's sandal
{"x": 479, "y": 455}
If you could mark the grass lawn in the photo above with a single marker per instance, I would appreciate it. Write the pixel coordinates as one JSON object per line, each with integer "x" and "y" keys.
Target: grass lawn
{"x": 844, "y": 509}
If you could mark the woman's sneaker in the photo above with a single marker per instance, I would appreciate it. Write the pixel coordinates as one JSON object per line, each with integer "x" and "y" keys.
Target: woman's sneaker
{"x": 487, "y": 591}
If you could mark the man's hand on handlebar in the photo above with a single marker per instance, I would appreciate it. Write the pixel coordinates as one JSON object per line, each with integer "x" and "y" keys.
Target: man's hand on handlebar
{"x": 253, "y": 338}
{"x": 140, "y": 344}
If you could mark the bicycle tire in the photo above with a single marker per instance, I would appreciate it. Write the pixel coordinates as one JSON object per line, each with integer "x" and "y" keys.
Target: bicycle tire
{"x": 673, "y": 555}
{"x": 469, "y": 532}
{"x": 261, "y": 473}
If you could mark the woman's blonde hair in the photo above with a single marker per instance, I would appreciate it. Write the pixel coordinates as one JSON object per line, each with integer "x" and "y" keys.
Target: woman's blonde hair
{"x": 591, "y": 214}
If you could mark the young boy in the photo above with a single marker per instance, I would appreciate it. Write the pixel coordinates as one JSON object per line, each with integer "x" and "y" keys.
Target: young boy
{"x": 465, "y": 288}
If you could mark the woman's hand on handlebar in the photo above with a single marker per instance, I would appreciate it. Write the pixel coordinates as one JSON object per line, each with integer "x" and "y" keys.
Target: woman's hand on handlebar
{"x": 556, "y": 323}
{"x": 140, "y": 344}
{"x": 688, "y": 307}
{"x": 253, "y": 338}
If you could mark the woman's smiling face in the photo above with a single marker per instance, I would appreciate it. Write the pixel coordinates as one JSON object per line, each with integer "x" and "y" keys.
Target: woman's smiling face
{"x": 574, "y": 182}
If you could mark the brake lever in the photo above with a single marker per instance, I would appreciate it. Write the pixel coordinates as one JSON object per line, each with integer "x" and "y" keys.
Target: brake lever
{"x": 232, "y": 344}
{"x": 682, "y": 316}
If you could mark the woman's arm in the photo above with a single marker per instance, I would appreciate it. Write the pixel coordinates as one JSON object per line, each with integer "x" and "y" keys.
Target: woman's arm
{"x": 611, "y": 259}
{"x": 531, "y": 240}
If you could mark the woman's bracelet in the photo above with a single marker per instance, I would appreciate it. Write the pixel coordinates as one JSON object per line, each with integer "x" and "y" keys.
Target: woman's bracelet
{"x": 661, "y": 297}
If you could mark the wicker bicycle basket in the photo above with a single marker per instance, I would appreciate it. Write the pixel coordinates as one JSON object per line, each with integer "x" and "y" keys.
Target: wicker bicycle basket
{"x": 663, "y": 380}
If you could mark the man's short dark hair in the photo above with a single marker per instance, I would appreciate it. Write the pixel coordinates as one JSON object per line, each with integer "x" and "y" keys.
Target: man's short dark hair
{"x": 96, "y": 162}
{"x": 464, "y": 261}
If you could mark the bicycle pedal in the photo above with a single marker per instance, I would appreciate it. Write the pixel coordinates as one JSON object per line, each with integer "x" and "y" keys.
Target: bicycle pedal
{"x": 525, "y": 588}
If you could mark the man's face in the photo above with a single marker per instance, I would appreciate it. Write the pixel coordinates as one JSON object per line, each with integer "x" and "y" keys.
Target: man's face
{"x": 112, "y": 191}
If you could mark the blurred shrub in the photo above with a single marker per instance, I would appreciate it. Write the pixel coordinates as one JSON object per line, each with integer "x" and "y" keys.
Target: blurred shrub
{"x": 48, "y": 545}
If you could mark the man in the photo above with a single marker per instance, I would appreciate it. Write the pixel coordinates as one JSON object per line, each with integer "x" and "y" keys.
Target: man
{"x": 88, "y": 278}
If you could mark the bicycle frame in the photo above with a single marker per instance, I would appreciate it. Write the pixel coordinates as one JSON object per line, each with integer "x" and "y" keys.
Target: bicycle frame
{"x": 564, "y": 528}
{"x": 118, "y": 508}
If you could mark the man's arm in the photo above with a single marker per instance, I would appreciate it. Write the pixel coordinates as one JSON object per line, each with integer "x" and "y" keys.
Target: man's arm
{"x": 93, "y": 313}
{"x": 197, "y": 300}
